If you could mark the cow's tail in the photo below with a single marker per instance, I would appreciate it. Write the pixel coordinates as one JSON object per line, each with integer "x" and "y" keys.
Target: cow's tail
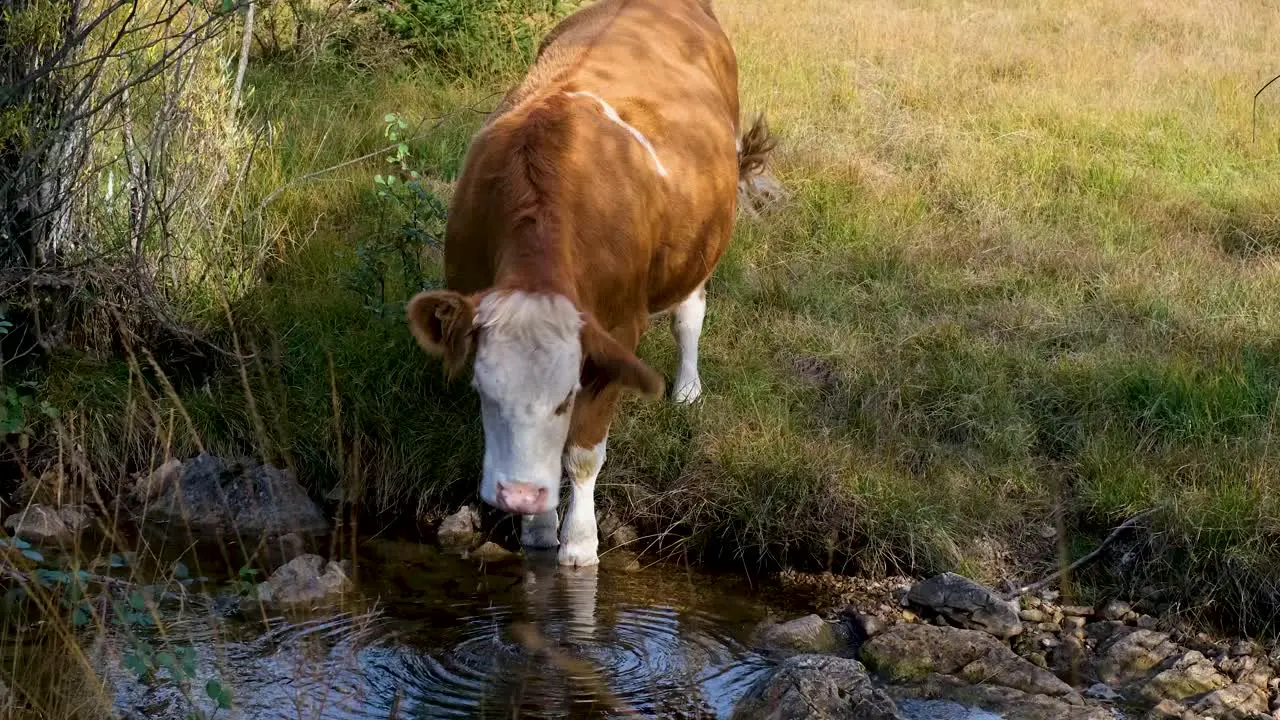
{"x": 758, "y": 189}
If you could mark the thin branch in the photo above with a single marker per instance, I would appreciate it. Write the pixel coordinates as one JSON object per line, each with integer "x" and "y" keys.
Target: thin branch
{"x": 1255, "y": 105}
{"x": 1115, "y": 533}
{"x": 388, "y": 148}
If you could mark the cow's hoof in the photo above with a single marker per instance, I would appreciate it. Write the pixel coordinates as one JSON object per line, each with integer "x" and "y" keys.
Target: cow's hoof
{"x": 579, "y": 555}
{"x": 687, "y": 393}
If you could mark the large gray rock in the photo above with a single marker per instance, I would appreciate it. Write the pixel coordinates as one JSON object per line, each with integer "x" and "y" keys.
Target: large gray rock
{"x": 808, "y": 634}
{"x": 816, "y": 687}
{"x": 1005, "y": 702}
{"x": 968, "y": 604}
{"x": 1134, "y": 656}
{"x": 1233, "y": 702}
{"x": 304, "y": 580}
{"x": 1193, "y": 674}
{"x": 215, "y": 496}
{"x": 46, "y": 524}
{"x": 912, "y": 653}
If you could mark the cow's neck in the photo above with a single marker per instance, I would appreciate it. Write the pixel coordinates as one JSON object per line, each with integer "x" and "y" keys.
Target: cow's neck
{"x": 536, "y": 263}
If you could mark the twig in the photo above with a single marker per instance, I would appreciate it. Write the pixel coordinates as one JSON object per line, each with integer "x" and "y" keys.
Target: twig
{"x": 1255, "y": 105}
{"x": 1082, "y": 561}
{"x": 417, "y": 136}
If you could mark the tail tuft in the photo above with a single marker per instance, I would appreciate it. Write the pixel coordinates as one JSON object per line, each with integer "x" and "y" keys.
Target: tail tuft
{"x": 758, "y": 189}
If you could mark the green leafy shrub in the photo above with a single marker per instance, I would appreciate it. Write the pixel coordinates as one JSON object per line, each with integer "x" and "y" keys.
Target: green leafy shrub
{"x": 467, "y": 38}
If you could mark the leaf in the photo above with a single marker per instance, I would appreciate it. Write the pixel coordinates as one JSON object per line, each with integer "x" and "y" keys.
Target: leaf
{"x": 117, "y": 560}
{"x": 165, "y": 659}
{"x": 379, "y": 180}
{"x": 50, "y": 577}
{"x": 80, "y": 617}
{"x": 33, "y": 555}
{"x": 137, "y": 601}
{"x": 136, "y": 664}
{"x": 180, "y": 571}
{"x": 218, "y": 693}
{"x": 389, "y": 118}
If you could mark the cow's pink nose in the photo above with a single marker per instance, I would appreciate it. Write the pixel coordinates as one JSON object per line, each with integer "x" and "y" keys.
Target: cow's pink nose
{"x": 522, "y": 498}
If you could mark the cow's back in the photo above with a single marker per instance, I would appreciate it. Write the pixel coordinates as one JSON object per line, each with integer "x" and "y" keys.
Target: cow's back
{"x": 647, "y": 174}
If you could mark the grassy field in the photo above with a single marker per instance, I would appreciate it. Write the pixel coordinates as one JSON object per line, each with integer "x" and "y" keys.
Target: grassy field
{"x": 1025, "y": 288}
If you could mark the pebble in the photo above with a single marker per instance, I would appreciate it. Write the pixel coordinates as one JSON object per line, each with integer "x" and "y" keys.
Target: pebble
{"x": 1034, "y": 616}
{"x": 1101, "y": 691}
{"x": 909, "y": 616}
{"x": 1048, "y": 627}
{"x": 1077, "y": 611}
{"x": 1147, "y": 622}
{"x": 1073, "y": 623}
{"x": 1115, "y": 610}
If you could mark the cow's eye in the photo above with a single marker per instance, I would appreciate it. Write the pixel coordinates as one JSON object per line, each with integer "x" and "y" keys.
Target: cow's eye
{"x": 563, "y": 407}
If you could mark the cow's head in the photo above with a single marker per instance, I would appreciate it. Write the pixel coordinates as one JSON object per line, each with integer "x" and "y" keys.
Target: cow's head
{"x": 530, "y": 353}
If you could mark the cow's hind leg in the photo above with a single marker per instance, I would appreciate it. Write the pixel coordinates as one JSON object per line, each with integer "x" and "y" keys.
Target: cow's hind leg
{"x": 686, "y": 326}
{"x": 539, "y": 531}
{"x": 579, "y": 540}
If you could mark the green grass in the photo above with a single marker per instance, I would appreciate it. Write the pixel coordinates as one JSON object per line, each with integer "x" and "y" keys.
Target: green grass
{"x": 1029, "y": 269}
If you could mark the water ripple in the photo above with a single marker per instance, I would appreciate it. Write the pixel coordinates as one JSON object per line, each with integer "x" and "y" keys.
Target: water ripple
{"x": 545, "y": 643}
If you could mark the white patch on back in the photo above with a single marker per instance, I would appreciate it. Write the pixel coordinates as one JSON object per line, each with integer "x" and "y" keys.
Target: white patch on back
{"x": 612, "y": 114}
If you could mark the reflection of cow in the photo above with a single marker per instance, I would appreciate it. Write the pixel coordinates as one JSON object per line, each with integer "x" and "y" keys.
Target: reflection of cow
{"x": 601, "y": 192}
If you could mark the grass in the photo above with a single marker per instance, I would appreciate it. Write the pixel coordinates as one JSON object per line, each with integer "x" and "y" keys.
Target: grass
{"x": 1027, "y": 276}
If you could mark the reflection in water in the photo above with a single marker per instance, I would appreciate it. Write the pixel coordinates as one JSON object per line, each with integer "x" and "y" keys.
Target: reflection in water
{"x": 448, "y": 639}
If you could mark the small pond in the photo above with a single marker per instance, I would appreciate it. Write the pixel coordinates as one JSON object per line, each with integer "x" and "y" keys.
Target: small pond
{"x": 433, "y": 635}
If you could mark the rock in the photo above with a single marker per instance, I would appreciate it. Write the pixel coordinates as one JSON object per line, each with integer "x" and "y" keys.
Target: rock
{"x": 490, "y": 552}
{"x": 1072, "y": 623}
{"x": 818, "y": 687}
{"x": 1166, "y": 709}
{"x": 215, "y": 496}
{"x": 1146, "y": 622}
{"x": 1233, "y": 702}
{"x": 1080, "y": 611}
{"x": 1133, "y": 656}
{"x": 966, "y": 603}
{"x": 1246, "y": 669}
{"x": 1103, "y": 692}
{"x": 1034, "y": 616}
{"x": 1244, "y": 647}
{"x": 304, "y": 580}
{"x": 460, "y": 530}
{"x": 808, "y": 634}
{"x": 150, "y": 485}
{"x": 1007, "y": 703}
{"x": 1190, "y": 676}
{"x": 1049, "y": 627}
{"x": 1069, "y": 660}
{"x": 44, "y": 524}
{"x": 908, "y": 653}
{"x": 615, "y": 533}
{"x": 1115, "y": 610}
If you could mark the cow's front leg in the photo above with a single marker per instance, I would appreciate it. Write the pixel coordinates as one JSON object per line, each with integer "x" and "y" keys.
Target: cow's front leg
{"x": 686, "y": 326}
{"x": 579, "y": 540}
{"x": 538, "y": 532}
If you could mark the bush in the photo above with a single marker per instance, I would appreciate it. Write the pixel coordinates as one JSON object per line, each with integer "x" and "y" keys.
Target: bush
{"x": 469, "y": 38}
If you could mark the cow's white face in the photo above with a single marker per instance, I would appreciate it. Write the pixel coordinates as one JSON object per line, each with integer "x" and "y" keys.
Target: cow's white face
{"x": 528, "y": 362}
{"x": 530, "y": 352}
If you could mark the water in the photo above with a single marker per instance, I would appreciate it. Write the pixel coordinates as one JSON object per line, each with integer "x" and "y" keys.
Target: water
{"x": 435, "y": 636}
{"x": 432, "y": 635}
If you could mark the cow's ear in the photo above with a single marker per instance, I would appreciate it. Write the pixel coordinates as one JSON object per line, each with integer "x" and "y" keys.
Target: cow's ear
{"x": 441, "y": 321}
{"x": 608, "y": 358}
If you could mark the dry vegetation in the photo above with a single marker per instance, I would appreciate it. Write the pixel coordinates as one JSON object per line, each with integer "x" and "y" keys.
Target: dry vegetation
{"x": 1024, "y": 289}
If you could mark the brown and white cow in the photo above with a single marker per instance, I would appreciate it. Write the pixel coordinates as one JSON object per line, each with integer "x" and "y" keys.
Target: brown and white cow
{"x": 601, "y": 192}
